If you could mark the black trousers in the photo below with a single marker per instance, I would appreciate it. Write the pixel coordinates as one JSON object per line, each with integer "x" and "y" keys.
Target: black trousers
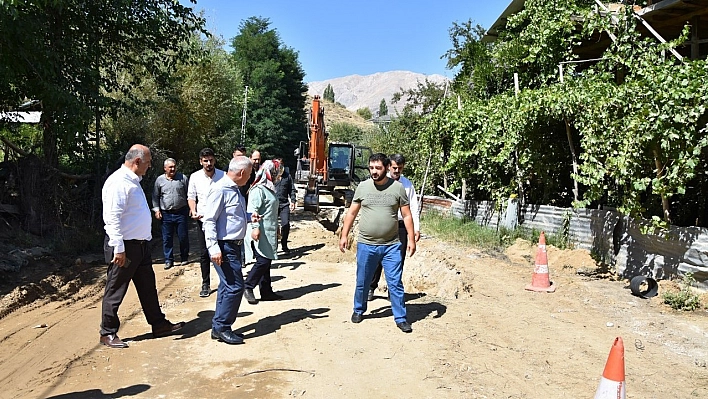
{"x": 260, "y": 273}
{"x": 204, "y": 258}
{"x": 403, "y": 237}
{"x": 284, "y": 213}
{"x": 140, "y": 272}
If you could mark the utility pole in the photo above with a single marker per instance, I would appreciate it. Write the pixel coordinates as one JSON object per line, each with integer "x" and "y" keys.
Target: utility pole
{"x": 243, "y": 118}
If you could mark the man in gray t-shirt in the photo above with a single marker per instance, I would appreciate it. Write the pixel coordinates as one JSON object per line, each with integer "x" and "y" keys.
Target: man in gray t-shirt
{"x": 379, "y": 199}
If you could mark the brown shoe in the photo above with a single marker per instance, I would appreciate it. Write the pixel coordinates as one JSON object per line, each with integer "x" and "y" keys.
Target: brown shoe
{"x": 112, "y": 341}
{"x": 166, "y": 329}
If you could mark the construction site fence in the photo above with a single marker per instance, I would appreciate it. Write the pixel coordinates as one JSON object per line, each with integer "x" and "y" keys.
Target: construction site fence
{"x": 619, "y": 241}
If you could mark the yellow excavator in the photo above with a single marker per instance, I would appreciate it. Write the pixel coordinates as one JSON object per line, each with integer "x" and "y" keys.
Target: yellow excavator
{"x": 328, "y": 168}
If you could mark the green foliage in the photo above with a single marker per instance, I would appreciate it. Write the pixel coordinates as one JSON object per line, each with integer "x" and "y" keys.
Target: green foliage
{"x": 276, "y": 119}
{"x": 199, "y": 107}
{"x": 364, "y": 113}
{"x": 345, "y": 132}
{"x": 685, "y": 298}
{"x": 469, "y": 233}
{"x": 328, "y": 93}
{"x": 637, "y": 119}
{"x": 70, "y": 54}
{"x": 383, "y": 108}
{"x": 403, "y": 134}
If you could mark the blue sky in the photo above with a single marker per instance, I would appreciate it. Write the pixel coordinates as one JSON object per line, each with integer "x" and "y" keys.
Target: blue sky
{"x": 340, "y": 38}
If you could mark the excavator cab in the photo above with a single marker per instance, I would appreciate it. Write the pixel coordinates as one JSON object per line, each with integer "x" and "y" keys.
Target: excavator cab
{"x": 347, "y": 165}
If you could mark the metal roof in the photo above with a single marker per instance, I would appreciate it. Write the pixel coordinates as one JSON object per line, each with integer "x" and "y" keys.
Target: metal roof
{"x": 21, "y": 117}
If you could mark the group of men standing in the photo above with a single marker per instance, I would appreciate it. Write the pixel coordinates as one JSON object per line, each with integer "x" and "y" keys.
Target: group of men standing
{"x": 217, "y": 201}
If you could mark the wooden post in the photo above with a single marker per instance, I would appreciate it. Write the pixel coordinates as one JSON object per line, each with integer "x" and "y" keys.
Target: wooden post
{"x": 695, "y": 45}
{"x": 422, "y": 187}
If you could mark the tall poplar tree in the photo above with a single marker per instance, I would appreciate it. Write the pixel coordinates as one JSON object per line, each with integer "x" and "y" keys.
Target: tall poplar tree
{"x": 328, "y": 93}
{"x": 276, "y": 118}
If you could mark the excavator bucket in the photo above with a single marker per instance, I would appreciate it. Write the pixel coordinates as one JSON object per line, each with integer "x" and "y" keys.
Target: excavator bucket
{"x": 312, "y": 200}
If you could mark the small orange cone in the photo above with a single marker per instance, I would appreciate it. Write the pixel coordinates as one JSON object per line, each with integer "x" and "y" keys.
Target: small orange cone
{"x": 612, "y": 385}
{"x": 540, "y": 282}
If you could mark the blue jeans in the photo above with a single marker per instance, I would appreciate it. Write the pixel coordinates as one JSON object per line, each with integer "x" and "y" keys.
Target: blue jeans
{"x": 367, "y": 258}
{"x": 171, "y": 221}
{"x": 230, "y": 291}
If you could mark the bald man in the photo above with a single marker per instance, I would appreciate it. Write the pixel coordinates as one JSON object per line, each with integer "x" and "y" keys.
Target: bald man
{"x": 127, "y": 248}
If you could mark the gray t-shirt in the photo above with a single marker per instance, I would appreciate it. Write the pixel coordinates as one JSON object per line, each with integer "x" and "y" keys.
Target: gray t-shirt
{"x": 378, "y": 222}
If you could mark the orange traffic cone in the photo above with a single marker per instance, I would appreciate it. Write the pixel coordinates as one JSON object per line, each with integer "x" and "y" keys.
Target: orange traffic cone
{"x": 540, "y": 282}
{"x": 612, "y": 384}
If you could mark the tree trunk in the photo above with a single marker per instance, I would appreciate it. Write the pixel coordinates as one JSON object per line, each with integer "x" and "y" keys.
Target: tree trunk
{"x": 574, "y": 157}
{"x": 49, "y": 140}
{"x": 659, "y": 174}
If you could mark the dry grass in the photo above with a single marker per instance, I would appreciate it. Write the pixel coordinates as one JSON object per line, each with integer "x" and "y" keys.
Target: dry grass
{"x": 336, "y": 113}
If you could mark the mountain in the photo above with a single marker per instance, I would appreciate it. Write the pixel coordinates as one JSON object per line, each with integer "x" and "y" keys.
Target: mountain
{"x": 356, "y": 91}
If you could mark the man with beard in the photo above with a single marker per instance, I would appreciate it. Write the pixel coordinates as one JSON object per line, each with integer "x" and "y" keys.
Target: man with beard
{"x": 395, "y": 171}
{"x": 199, "y": 184}
{"x": 286, "y": 192}
{"x": 379, "y": 199}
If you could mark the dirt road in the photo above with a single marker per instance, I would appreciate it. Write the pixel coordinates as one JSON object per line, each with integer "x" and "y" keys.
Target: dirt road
{"x": 477, "y": 334}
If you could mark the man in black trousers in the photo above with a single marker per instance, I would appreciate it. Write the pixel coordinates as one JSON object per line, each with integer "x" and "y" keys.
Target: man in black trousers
{"x": 128, "y": 225}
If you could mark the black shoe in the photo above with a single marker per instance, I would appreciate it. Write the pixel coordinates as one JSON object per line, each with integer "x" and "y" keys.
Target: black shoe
{"x": 168, "y": 265}
{"x": 227, "y": 336}
{"x": 370, "y": 296}
{"x": 167, "y": 328}
{"x": 285, "y": 248}
{"x": 357, "y": 317}
{"x": 205, "y": 291}
{"x": 271, "y": 296}
{"x": 405, "y": 327}
{"x": 248, "y": 294}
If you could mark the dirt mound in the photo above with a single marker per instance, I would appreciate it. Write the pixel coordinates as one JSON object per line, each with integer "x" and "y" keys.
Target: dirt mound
{"x": 560, "y": 261}
{"x": 59, "y": 283}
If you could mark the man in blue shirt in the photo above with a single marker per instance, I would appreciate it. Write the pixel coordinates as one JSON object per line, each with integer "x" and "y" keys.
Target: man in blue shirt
{"x": 224, "y": 224}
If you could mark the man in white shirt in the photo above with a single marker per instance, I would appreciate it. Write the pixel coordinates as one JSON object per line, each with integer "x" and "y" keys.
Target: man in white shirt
{"x": 128, "y": 225}
{"x": 199, "y": 184}
{"x": 395, "y": 171}
{"x": 225, "y": 223}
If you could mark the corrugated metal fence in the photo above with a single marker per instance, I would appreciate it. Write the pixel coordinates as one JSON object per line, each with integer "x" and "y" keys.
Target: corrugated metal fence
{"x": 615, "y": 239}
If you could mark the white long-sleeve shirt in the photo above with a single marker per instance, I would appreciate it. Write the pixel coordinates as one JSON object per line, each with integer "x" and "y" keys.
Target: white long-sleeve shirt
{"x": 125, "y": 209}
{"x": 413, "y": 202}
{"x": 199, "y": 185}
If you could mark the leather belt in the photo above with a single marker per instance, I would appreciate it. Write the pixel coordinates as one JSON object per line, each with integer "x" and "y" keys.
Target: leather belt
{"x": 236, "y": 242}
{"x": 139, "y": 242}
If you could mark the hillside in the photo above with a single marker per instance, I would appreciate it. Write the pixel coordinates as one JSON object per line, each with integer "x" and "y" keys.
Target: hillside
{"x": 336, "y": 113}
{"x": 356, "y": 91}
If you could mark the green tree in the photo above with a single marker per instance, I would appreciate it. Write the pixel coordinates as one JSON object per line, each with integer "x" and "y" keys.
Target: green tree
{"x": 383, "y": 109}
{"x": 364, "y": 113}
{"x": 199, "y": 107}
{"x": 345, "y": 132}
{"x": 71, "y": 54}
{"x": 328, "y": 93}
{"x": 276, "y": 118}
